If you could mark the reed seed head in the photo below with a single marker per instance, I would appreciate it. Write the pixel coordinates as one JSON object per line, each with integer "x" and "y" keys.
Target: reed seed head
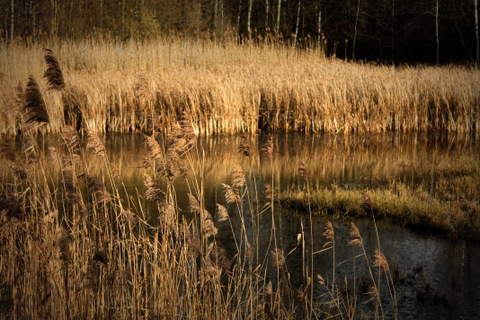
{"x": 329, "y": 234}
{"x": 355, "y": 237}
{"x": 238, "y": 176}
{"x": 36, "y": 110}
{"x": 222, "y": 213}
{"x": 54, "y": 73}
{"x": 194, "y": 204}
{"x": 278, "y": 258}
{"x": 231, "y": 194}
{"x": 380, "y": 261}
{"x": 94, "y": 142}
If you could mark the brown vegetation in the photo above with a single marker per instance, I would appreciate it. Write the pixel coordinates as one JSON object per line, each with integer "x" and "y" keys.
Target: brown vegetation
{"x": 228, "y": 88}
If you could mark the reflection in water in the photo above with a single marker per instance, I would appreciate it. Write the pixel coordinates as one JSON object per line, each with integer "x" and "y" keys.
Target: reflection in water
{"x": 438, "y": 278}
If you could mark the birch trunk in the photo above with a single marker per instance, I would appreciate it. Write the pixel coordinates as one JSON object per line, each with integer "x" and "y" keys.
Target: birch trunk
{"x": 279, "y": 10}
{"x": 238, "y": 16}
{"x": 297, "y": 24}
{"x": 249, "y": 30}
{"x": 355, "y": 33}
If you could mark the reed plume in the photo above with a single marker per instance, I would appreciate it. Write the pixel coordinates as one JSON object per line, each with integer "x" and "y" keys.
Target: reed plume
{"x": 96, "y": 187}
{"x": 54, "y": 73}
{"x": 231, "y": 194}
{"x": 355, "y": 237}
{"x": 222, "y": 213}
{"x": 329, "y": 234}
{"x": 10, "y": 207}
{"x": 239, "y": 179}
{"x": 194, "y": 206}
{"x": 380, "y": 261}
{"x": 278, "y": 258}
{"x": 153, "y": 193}
{"x": 34, "y": 106}
{"x": 153, "y": 148}
{"x": 94, "y": 142}
{"x": 70, "y": 136}
{"x": 7, "y": 148}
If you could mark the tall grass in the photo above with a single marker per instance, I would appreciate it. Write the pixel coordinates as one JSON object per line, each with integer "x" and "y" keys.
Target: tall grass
{"x": 76, "y": 244}
{"x": 227, "y": 87}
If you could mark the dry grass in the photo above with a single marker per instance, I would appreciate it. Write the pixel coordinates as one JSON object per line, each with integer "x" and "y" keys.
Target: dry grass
{"x": 74, "y": 244}
{"x": 451, "y": 209}
{"x": 229, "y": 88}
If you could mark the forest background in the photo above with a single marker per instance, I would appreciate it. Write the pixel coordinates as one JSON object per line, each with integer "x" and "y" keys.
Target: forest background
{"x": 389, "y": 31}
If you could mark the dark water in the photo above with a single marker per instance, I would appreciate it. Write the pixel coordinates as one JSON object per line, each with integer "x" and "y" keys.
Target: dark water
{"x": 436, "y": 278}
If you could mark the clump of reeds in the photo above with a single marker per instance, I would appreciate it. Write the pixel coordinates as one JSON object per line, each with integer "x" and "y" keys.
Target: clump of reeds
{"x": 232, "y": 88}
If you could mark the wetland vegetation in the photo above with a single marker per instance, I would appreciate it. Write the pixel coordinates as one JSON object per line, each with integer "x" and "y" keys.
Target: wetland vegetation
{"x": 78, "y": 239}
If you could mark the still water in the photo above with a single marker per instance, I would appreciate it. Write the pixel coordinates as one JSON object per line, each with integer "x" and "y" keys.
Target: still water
{"x": 437, "y": 278}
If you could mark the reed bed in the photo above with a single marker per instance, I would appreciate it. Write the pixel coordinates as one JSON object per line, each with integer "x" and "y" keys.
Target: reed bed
{"x": 75, "y": 244}
{"x": 450, "y": 207}
{"x": 229, "y": 88}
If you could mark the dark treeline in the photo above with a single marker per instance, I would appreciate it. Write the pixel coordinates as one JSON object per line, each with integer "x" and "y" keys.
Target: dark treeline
{"x": 426, "y": 31}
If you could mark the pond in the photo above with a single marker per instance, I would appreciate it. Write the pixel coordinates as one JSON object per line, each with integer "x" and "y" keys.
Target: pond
{"x": 435, "y": 277}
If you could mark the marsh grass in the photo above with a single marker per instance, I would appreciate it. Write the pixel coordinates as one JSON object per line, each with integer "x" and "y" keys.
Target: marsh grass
{"x": 228, "y": 88}
{"x": 450, "y": 208}
{"x": 76, "y": 244}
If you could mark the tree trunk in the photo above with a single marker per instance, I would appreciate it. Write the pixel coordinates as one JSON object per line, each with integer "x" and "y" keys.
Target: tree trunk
{"x": 298, "y": 22}
{"x": 393, "y": 31}
{"x": 436, "y": 32}
{"x": 249, "y": 30}
{"x": 238, "y": 16}
{"x": 215, "y": 17}
{"x": 279, "y": 10}
{"x": 32, "y": 14}
{"x": 355, "y": 33}
{"x": 12, "y": 19}
{"x": 476, "y": 34}
{"x": 319, "y": 26}
{"x": 267, "y": 10}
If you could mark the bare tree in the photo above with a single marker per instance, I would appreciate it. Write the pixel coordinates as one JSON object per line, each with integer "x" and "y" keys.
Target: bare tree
{"x": 238, "y": 15}
{"x": 297, "y": 23}
{"x": 12, "y": 18}
{"x": 267, "y": 10}
{"x": 476, "y": 34}
{"x": 319, "y": 26}
{"x": 355, "y": 33}
{"x": 436, "y": 32}
{"x": 279, "y": 10}
{"x": 249, "y": 17}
